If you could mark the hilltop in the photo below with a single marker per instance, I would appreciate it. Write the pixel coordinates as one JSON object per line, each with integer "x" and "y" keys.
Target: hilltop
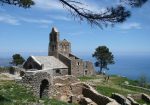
{"x": 12, "y": 93}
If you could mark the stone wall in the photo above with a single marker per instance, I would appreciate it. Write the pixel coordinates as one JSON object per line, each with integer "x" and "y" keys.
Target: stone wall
{"x": 77, "y": 67}
{"x": 31, "y": 64}
{"x": 120, "y": 99}
{"x": 60, "y": 72}
{"x": 66, "y": 61}
{"x": 70, "y": 89}
{"x": 88, "y": 68}
{"x": 146, "y": 97}
{"x": 37, "y": 81}
{"x": 99, "y": 99}
{"x": 133, "y": 102}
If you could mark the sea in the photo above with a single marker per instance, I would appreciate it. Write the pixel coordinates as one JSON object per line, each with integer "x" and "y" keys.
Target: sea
{"x": 130, "y": 66}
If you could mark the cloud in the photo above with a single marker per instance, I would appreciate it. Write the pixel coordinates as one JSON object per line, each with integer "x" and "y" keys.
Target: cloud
{"x": 37, "y": 21}
{"x": 12, "y": 20}
{"x": 5, "y": 18}
{"x": 93, "y": 6}
{"x": 74, "y": 33}
{"x": 56, "y": 5}
{"x": 48, "y": 4}
{"x": 60, "y": 17}
{"x": 128, "y": 26}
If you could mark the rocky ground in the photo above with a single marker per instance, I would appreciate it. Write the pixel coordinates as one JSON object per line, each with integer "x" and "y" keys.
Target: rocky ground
{"x": 65, "y": 90}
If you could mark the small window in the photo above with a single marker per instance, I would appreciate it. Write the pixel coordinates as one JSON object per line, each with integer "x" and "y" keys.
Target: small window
{"x": 78, "y": 63}
{"x": 85, "y": 72}
{"x": 58, "y": 71}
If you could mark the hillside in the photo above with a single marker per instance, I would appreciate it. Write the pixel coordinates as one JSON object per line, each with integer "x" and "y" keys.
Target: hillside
{"x": 12, "y": 93}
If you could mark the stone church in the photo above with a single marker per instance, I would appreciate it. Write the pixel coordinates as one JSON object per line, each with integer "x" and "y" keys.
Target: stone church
{"x": 60, "y": 60}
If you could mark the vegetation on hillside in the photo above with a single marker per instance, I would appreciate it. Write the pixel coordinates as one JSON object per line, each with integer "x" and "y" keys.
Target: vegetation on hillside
{"x": 17, "y": 59}
{"x": 12, "y": 93}
{"x": 103, "y": 58}
{"x": 113, "y": 85}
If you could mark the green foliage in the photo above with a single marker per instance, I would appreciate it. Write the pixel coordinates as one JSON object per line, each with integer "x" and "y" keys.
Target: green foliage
{"x": 15, "y": 94}
{"x": 142, "y": 102}
{"x": 20, "y": 3}
{"x": 55, "y": 102}
{"x": 104, "y": 57}
{"x": 84, "y": 78}
{"x": 136, "y": 89}
{"x": 142, "y": 81}
{"x": 105, "y": 90}
{"x": 4, "y": 68}
{"x": 17, "y": 59}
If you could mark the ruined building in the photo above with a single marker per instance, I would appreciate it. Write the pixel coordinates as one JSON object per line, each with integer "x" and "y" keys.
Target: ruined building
{"x": 60, "y": 60}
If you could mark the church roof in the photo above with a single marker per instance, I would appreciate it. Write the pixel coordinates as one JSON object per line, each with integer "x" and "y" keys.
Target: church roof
{"x": 49, "y": 62}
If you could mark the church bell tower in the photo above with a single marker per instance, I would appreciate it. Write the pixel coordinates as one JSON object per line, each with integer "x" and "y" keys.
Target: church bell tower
{"x": 54, "y": 43}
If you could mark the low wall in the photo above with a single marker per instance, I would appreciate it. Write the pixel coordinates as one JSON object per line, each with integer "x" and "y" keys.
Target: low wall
{"x": 99, "y": 99}
{"x": 120, "y": 99}
{"x": 70, "y": 89}
{"x": 133, "y": 102}
{"x": 146, "y": 97}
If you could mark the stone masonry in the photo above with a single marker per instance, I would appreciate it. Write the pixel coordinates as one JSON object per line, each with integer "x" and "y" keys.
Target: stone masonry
{"x": 60, "y": 59}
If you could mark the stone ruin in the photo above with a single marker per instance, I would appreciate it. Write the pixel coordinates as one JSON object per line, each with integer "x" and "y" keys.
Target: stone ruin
{"x": 130, "y": 99}
{"x": 65, "y": 88}
{"x": 40, "y": 82}
{"x": 69, "y": 89}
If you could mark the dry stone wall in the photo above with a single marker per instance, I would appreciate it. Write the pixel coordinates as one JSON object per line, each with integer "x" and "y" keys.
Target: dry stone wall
{"x": 41, "y": 83}
{"x": 70, "y": 89}
{"x": 120, "y": 99}
{"x": 133, "y": 102}
{"x": 146, "y": 97}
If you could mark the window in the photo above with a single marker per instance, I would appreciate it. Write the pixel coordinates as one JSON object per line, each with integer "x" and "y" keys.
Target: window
{"x": 58, "y": 71}
{"x": 78, "y": 63}
{"x": 85, "y": 72}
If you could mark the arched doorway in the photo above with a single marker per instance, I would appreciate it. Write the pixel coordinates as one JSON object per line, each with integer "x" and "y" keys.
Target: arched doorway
{"x": 44, "y": 88}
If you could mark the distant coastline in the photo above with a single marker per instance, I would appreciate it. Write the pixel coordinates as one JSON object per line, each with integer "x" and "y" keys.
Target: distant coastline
{"x": 131, "y": 67}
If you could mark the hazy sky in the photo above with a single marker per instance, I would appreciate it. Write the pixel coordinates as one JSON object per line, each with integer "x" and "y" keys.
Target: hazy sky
{"x": 27, "y": 31}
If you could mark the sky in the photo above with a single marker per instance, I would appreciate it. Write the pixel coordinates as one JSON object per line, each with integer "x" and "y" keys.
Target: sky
{"x": 26, "y": 31}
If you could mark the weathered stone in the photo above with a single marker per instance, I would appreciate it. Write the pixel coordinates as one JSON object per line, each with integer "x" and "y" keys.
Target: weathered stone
{"x": 87, "y": 101}
{"x": 136, "y": 96}
{"x": 133, "y": 102}
{"x": 146, "y": 97}
{"x": 70, "y": 90}
{"x": 99, "y": 99}
{"x": 120, "y": 99}
{"x": 40, "y": 82}
{"x": 60, "y": 60}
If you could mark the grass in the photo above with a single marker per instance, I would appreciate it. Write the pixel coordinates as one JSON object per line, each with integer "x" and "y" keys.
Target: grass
{"x": 15, "y": 94}
{"x": 142, "y": 102}
{"x": 105, "y": 90}
{"x": 86, "y": 78}
{"x": 136, "y": 89}
{"x": 114, "y": 85}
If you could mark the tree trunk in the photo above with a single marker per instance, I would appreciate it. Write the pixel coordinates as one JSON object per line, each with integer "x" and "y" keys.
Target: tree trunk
{"x": 100, "y": 72}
